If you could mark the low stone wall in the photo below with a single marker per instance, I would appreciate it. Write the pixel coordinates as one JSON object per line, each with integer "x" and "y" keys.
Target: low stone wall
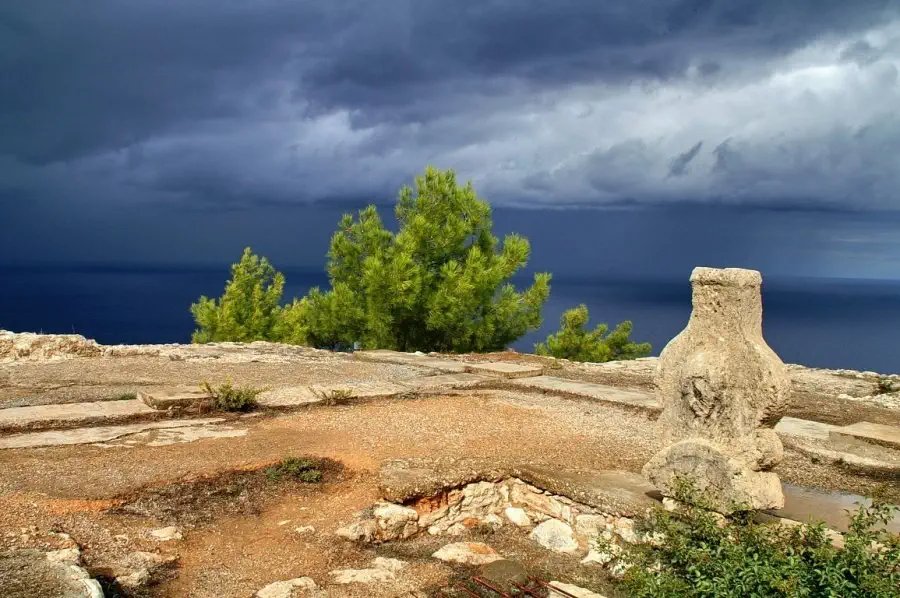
{"x": 510, "y": 501}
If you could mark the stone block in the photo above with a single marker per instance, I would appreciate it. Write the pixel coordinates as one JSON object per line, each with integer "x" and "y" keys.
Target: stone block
{"x": 504, "y": 369}
{"x": 869, "y": 433}
{"x": 184, "y": 398}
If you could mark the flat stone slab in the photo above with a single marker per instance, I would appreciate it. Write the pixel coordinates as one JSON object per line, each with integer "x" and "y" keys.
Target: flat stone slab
{"x": 804, "y": 504}
{"x": 72, "y": 414}
{"x": 589, "y": 390}
{"x": 869, "y": 433}
{"x": 94, "y": 435}
{"x": 447, "y": 382}
{"x": 801, "y": 428}
{"x": 175, "y": 398}
{"x": 361, "y": 390}
{"x": 427, "y": 361}
{"x": 619, "y": 492}
{"x": 504, "y": 369}
{"x": 288, "y": 396}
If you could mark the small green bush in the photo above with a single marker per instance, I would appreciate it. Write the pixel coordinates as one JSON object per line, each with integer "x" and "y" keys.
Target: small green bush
{"x": 302, "y": 470}
{"x": 126, "y": 396}
{"x": 700, "y": 557}
{"x": 575, "y": 343}
{"x": 227, "y": 397}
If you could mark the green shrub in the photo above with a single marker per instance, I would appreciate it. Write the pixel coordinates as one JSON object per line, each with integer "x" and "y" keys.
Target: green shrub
{"x": 302, "y": 470}
{"x": 439, "y": 284}
{"x": 126, "y": 396}
{"x": 575, "y": 343}
{"x": 227, "y": 397}
{"x": 700, "y": 557}
{"x": 248, "y": 310}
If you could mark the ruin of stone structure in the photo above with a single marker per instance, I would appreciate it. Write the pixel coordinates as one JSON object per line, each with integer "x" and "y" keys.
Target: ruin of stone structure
{"x": 722, "y": 390}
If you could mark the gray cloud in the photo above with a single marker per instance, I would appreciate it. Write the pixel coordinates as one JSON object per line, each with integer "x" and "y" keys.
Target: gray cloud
{"x": 203, "y": 102}
{"x": 681, "y": 161}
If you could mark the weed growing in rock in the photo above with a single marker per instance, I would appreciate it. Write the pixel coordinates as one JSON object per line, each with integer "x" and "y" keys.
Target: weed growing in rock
{"x": 126, "y": 396}
{"x": 338, "y": 396}
{"x": 700, "y": 556}
{"x": 302, "y": 470}
{"x": 227, "y": 397}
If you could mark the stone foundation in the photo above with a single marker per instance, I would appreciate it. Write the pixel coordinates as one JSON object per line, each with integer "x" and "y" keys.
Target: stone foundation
{"x": 510, "y": 501}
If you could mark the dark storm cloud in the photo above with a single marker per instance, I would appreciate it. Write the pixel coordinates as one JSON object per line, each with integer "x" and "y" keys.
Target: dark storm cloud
{"x": 200, "y": 102}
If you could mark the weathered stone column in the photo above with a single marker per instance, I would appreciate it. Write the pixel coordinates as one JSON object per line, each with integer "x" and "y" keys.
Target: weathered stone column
{"x": 722, "y": 389}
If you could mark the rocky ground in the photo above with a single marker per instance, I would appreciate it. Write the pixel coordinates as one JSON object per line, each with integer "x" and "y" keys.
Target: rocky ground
{"x": 236, "y": 530}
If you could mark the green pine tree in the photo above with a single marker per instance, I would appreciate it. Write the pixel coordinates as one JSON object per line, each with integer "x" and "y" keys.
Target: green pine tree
{"x": 248, "y": 310}
{"x": 441, "y": 283}
{"x": 575, "y": 343}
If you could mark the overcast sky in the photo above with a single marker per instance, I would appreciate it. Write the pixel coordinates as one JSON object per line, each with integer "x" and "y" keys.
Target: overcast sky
{"x": 764, "y": 132}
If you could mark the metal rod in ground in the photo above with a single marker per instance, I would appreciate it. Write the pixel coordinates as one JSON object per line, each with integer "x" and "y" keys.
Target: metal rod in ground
{"x": 482, "y": 582}
{"x": 528, "y": 591}
{"x": 554, "y": 588}
{"x": 469, "y": 592}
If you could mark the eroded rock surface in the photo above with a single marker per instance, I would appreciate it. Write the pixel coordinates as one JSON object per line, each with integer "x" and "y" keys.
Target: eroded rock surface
{"x": 29, "y": 346}
{"x": 29, "y": 573}
{"x": 722, "y": 390}
{"x": 467, "y": 553}
{"x": 619, "y": 492}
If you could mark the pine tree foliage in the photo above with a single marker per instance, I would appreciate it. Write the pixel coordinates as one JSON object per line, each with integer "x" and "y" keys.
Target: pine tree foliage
{"x": 441, "y": 283}
{"x": 248, "y": 310}
{"x": 574, "y": 342}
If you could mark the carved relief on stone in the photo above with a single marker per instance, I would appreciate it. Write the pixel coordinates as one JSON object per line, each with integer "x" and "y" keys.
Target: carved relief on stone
{"x": 719, "y": 381}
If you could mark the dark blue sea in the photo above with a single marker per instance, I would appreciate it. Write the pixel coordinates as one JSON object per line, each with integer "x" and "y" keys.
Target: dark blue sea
{"x": 817, "y": 322}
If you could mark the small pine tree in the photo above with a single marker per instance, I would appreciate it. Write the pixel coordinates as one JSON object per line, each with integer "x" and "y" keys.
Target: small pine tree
{"x": 439, "y": 284}
{"x": 249, "y": 308}
{"x": 575, "y": 343}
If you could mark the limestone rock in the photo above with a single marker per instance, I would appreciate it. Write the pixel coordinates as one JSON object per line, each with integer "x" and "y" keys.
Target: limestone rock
{"x": 589, "y": 526}
{"x": 141, "y": 567}
{"x": 30, "y": 346}
{"x": 467, "y": 553}
{"x": 165, "y": 534}
{"x": 724, "y": 481}
{"x": 597, "y": 557}
{"x": 624, "y": 528}
{"x": 345, "y": 576}
{"x": 571, "y": 590}
{"x": 135, "y": 579}
{"x": 287, "y": 589}
{"x": 381, "y": 570}
{"x": 28, "y": 572}
{"x": 363, "y": 530}
{"x": 537, "y": 502}
{"x": 718, "y": 379}
{"x": 388, "y": 564}
{"x": 504, "y": 573}
{"x": 385, "y": 523}
{"x": 518, "y": 516}
{"x": 395, "y": 522}
{"x": 555, "y": 535}
{"x": 722, "y": 390}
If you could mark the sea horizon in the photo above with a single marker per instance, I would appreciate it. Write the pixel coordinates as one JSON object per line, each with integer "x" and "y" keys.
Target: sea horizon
{"x": 830, "y": 322}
